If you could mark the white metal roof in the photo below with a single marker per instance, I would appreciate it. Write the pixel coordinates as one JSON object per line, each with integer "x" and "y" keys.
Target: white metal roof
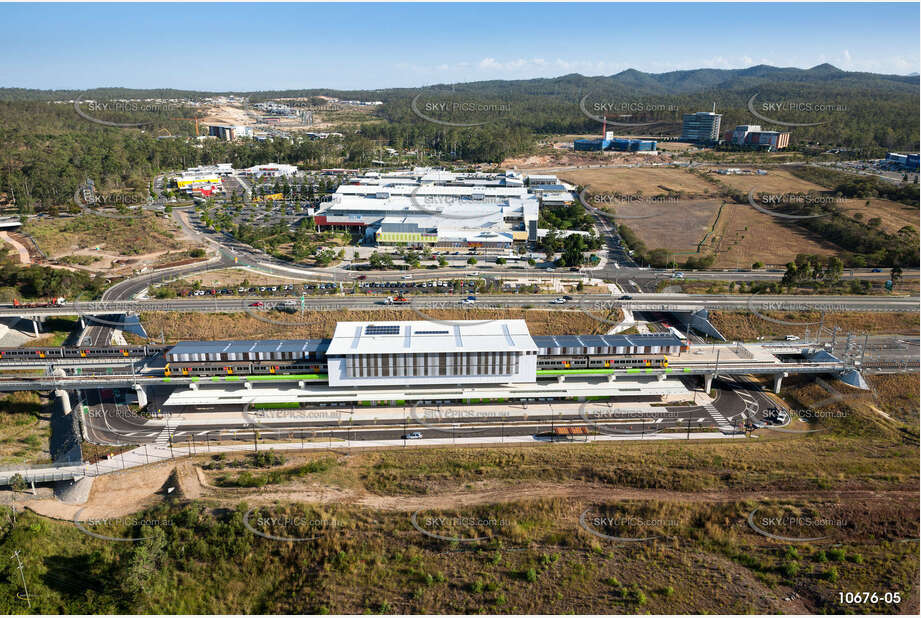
{"x": 430, "y": 337}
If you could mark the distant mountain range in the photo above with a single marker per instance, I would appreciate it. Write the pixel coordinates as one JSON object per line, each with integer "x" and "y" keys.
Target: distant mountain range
{"x": 627, "y": 83}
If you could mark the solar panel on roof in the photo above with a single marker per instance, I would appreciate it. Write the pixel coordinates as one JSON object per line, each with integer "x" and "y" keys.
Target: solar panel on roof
{"x": 430, "y": 332}
{"x": 378, "y": 329}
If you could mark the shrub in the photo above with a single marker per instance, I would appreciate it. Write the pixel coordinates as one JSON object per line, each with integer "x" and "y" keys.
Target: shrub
{"x": 530, "y": 575}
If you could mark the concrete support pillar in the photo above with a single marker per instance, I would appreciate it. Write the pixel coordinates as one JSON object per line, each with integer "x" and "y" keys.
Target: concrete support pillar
{"x": 300, "y": 384}
{"x": 65, "y": 400}
{"x": 708, "y": 382}
{"x": 561, "y": 379}
{"x": 193, "y": 386}
{"x": 142, "y": 396}
{"x": 612, "y": 377}
{"x": 35, "y": 325}
{"x": 248, "y": 385}
{"x": 778, "y": 378}
{"x": 661, "y": 377}
{"x": 81, "y": 323}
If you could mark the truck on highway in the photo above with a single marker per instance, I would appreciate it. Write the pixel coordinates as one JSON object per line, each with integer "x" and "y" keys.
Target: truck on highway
{"x": 60, "y": 301}
{"x": 399, "y": 299}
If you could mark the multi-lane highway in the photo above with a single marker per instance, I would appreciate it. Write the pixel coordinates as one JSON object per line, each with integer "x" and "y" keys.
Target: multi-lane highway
{"x": 636, "y": 302}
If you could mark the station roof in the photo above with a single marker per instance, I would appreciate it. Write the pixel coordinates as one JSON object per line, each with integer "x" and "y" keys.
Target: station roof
{"x": 259, "y": 345}
{"x": 597, "y": 341}
{"x": 430, "y": 337}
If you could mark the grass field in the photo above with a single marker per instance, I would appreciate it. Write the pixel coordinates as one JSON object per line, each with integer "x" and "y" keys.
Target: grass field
{"x": 746, "y": 326}
{"x": 54, "y": 331}
{"x": 314, "y": 324}
{"x": 647, "y": 180}
{"x": 134, "y": 236}
{"x": 677, "y": 225}
{"x": 524, "y": 505}
{"x": 775, "y": 181}
{"x": 24, "y": 432}
{"x": 893, "y": 215}
{"x": 744, "y": 236}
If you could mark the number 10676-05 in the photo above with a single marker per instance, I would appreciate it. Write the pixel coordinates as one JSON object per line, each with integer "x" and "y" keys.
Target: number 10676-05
{"x": 862, "y": 598}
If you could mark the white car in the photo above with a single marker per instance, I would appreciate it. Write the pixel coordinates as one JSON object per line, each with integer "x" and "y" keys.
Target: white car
{"x": 468, "y": 301}
{"x": 558, "y": 301}
{"x": 406, "y": 277}
{"x": 791, "y": 338}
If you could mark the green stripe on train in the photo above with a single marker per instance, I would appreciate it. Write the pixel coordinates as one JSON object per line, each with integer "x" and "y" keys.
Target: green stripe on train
{"x": 570, "y": 372}
{"x": 302, "y": 376}
{"x": 268, "y": 406}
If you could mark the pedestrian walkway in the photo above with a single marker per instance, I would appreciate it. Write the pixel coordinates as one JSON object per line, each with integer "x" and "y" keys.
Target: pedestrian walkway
{"x": 721, "y": 422}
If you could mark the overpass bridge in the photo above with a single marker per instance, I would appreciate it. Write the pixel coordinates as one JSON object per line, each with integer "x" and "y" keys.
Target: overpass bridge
{"x": 587, "y": 302}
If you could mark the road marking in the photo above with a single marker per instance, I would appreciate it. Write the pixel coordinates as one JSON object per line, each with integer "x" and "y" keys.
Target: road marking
{"x": 721, "y": 421}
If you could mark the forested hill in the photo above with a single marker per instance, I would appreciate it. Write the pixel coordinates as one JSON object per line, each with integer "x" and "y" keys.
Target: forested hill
{"x": 858, "y": 110}
{"x": 824, "y": 78}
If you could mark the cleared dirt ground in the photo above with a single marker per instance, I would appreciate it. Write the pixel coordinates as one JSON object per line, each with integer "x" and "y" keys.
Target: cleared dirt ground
{"x": 648, "y": 180}
{"x": 677, "y": 225}
{"x": 744, "y": 236}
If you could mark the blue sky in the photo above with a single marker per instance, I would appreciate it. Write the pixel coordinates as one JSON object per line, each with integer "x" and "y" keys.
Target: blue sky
{"x": 262, "y": 46}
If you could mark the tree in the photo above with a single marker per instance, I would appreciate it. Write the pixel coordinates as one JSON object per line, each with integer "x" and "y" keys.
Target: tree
{"x": 895, "y": 274}
{"x": 380, "y": 261}
{"x": 757, "y": 265}
{"x": 472, "y": 261}
{"x": 18, "y": 483}
{"x": 442, "y": 262}
{"x": 143, "y": 563}
{"x": 501, "y": 261}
